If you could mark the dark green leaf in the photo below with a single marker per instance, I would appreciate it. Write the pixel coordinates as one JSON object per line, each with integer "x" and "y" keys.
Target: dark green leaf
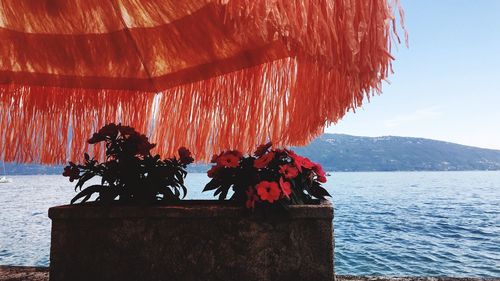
{"x": 213, "y": 184}
{"x": 85, "y": 177}
{"x": 224, "y": 192}
{"x": 87, "y": 192}
{"x": 318, "y": 191}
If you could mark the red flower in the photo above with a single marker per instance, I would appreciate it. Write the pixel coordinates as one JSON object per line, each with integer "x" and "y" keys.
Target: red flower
{"x": 214, "y": 158}
{"x": 268, "y": 191}
{"x": 126, "y": 130}
{"x": 72, "y": 172}
{"x": 252, "y": 198}
{"x": 302, "y": 162}
{"x": 109, "y": 130}
{"x": 291, "y": 153}
{"x": 144, "y": 146}
{"x": 185, "y": 156}
{"x": 230, "y": 159}
{"x": 262, "y": 149}
{"x": 137, "y": 145}
{"x": 211, "y": 173}
{"x": 320, "y": 173}
{"x": 96, "y": 137}
{"x": 286, "y": 188}
{"x": 262, "y": 162}
{"x": 289, "y": 171}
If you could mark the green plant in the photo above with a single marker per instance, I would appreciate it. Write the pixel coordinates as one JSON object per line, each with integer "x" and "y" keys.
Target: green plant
{"x": 129, "y": 173}
{"x": 270, "y": 176}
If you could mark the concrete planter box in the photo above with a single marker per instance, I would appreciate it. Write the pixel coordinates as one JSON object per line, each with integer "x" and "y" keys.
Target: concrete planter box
{"x": 195, "y": 240}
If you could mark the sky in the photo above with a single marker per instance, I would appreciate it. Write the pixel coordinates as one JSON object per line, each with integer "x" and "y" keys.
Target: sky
{"x": 446, "y": 85}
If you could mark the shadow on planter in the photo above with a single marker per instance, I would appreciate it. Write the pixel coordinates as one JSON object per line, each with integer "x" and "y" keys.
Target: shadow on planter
{"x": 191, "y": 240}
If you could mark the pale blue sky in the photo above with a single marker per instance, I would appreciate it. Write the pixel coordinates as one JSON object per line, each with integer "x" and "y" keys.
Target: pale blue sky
{"x": 446, "y": 85}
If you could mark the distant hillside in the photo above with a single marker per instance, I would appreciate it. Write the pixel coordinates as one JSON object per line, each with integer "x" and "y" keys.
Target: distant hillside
{"x": 31, "y": 169}
{"x": 350, "y": 153}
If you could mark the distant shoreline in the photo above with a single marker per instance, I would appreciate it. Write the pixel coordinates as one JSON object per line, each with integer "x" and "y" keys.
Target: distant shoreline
{"x": 344, "y": 153}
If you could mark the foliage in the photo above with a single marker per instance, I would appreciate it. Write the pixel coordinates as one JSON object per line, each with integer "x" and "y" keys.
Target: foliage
{"x": 129, "y": 173}
{"x": 270, "y": 176}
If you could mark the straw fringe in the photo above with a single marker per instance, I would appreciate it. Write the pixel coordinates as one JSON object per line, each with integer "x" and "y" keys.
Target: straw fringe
{"x": 328, "y": 31}
{"x": 285, "y": 101}
{"x": 340, "y": 53}
{"x": 51, "y": 125}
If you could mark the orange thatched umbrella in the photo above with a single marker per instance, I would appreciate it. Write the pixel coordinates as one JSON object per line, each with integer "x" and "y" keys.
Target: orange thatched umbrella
{"x": 207, "y": 74}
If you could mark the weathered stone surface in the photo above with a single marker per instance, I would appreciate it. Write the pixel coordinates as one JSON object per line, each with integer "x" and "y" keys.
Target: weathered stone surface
{"x": 15, "y": 273}
{"x": 197, "y": 240}
{"x": 385, "y": 278}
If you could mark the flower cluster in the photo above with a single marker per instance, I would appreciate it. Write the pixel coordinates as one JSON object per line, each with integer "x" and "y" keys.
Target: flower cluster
{"x": 269, "y": 176}
{"x": 130, "y": 142}
{"x": 129, "y": 173}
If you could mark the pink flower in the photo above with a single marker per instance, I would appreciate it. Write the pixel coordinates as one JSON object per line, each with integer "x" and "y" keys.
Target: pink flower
{"x": 320, "y": 173}
{"x": 262, "y": 162}
{"x": 302, "y": 162}
{"x": 262, "y": 149}
{"x": 289, "y": 171}
{"x": 110, "y": 130}
{"x": 229, "y": 159}
{"x": 143, "y": 144}
{"x": 72, "y": 172}
{"x": 126, "y": 130}
{"x": 214, "y": 158}
{"x": 252, "y": 198}
{"x": 268, "y": 191}
{"x": 286, "y": 188}
{"x": 185, "y": 156}
{"x": 96, "y": 137}
{"x": 211, "y": 173}
{"x": 290, "y": 153}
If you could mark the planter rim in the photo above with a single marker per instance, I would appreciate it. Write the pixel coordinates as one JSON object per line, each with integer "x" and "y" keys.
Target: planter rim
{"x": 187, "y": 209}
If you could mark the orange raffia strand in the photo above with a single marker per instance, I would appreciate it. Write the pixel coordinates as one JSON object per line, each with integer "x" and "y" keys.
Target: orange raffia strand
{"x": 253, "y": 71}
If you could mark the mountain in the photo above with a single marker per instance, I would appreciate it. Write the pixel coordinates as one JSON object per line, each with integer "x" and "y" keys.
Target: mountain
{"x": 351, "y": 153}
{"x": 32, "y": 169}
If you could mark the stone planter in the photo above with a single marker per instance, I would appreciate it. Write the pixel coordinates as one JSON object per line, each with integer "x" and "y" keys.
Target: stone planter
{"x": 194, "y": 240}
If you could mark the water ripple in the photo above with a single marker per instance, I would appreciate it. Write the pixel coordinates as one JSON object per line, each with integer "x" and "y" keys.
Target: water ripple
{"x": 420, "y": 224}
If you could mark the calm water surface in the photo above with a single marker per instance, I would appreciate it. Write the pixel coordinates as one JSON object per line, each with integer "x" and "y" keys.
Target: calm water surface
{"x": 403, "y": 223}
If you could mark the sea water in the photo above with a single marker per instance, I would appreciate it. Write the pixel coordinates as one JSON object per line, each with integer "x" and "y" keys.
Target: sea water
{"x": 388, "y": 223}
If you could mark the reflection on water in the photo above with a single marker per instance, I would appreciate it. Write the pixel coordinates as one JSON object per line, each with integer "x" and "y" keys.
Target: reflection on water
{"x": 402, "y": 223}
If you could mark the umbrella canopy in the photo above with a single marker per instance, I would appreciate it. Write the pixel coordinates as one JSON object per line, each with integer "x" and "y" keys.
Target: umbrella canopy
{"x": 206, "y": 74}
